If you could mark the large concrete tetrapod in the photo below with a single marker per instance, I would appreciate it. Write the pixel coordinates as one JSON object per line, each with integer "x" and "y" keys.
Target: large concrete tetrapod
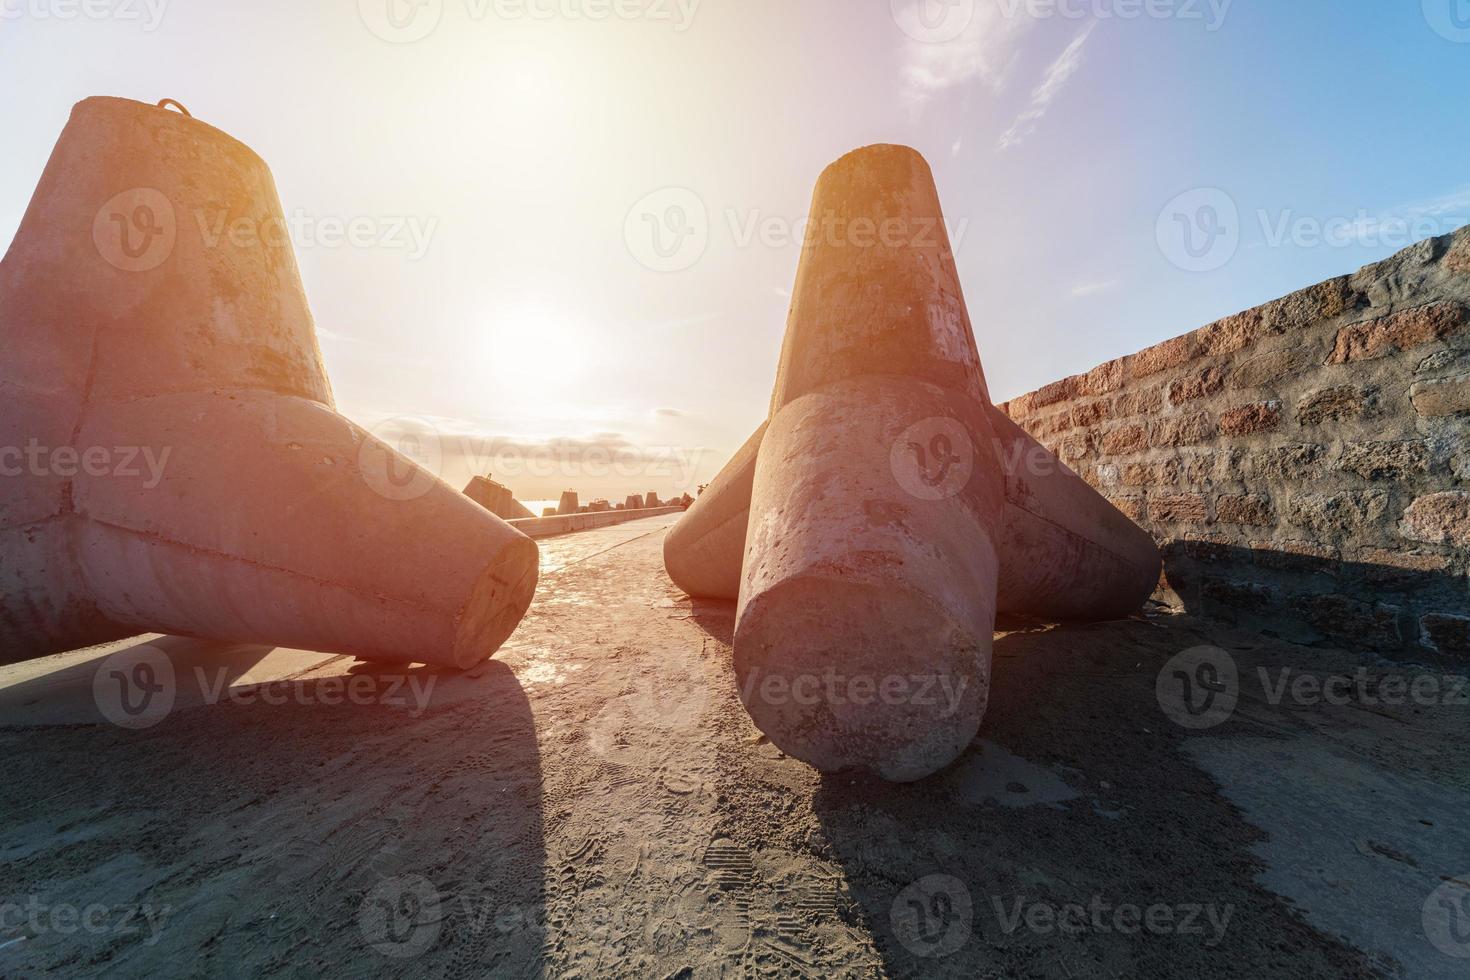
{"x": 180, "y": 465}
{"x": 863, "y": 630}
{"x": 1066, "y": 553}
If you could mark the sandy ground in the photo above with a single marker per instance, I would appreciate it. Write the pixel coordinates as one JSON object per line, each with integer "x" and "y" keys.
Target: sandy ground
{"x": 596, "y": 803}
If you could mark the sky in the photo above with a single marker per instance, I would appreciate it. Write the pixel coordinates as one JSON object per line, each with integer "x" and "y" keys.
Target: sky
{"x": 577, "y": 222}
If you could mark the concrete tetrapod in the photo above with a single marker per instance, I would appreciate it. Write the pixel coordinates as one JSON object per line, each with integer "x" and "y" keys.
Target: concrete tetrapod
{"x": 1066, "y": 553}
{"x": 185, "y": 470}
{"x": 867, "y": 602}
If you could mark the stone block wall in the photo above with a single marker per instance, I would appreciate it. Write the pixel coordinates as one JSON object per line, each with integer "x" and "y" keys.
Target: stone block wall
{"x": 1305, "y": 465}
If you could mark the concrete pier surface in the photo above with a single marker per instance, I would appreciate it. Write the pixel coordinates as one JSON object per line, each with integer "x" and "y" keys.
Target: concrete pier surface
{"x": 187, "y": 471}
{"x": 596, "y": 802}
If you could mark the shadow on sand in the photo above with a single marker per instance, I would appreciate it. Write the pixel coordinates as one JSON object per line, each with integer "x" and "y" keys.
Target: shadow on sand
{"x": 369, "y": 835}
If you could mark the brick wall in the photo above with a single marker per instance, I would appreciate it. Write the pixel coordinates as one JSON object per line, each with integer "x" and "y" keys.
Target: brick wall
{"x": 1305, "y": 465}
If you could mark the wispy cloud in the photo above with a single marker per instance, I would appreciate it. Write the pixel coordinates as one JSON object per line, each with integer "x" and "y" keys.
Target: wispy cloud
{"x": 984, "y": 53}
{"x": 1407, "y": 223}
{"x": 1093, "y": 288}
{"x": 1052, "y": 84}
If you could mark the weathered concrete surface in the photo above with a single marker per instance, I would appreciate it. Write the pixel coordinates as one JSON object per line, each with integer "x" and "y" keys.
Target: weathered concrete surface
{"x": 1066, "y": 553}
{"x": 133, "y": 333}
{"x": 568, "y": 504}
{"x": 602, "y": 806}
{"x": 704, "y": 552}
{"x": 864, "y": 628}
{"x": 870, "y": 552}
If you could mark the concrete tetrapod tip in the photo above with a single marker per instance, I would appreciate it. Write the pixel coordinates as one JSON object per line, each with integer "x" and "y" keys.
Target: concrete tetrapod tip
{"x": 183, "y": 468}
{"x": 703, "y": 553}
{"x": 1066, "y": 553}
{"x": 867, "y": 599}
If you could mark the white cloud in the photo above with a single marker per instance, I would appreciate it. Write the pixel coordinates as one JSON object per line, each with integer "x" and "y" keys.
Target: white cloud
{"x": 1052, "y": 84}
{"x": 1093, "y": 288}
{"x": 1402, "y": 226}
{"x": 984, "y": 53}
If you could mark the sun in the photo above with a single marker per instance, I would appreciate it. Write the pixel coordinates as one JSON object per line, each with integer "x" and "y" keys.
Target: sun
{"x": 535, "y": 352}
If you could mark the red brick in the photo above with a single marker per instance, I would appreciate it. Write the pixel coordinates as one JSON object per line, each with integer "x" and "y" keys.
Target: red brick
{"x": 1138, "y": 402}
{"x": 1102, "y": 379}
{"x": 1200, "y": 384}
{"x": 1251, "y": 508}
{"x": 1076, "y": 447}
{"x": 1161, "y": 357}
{"x": 1265, "y": 368}
{"x": 1444, "y": 397}
{"x": 1186, "y": 430}
{"x": 1439, "y": 518}
{"x": 1124, "y": 439}
{"x": 1182, "y": 508}
{"x": 1057, "y": 391}
{"x": 1231, "y": 334}
{"x": 1339, "y": 514}
{"x": 1333, "y": 404}
{"x": 1295, "y": 463}
{"x": 1384, "y": 460}
{"x": 1308, "y": 306}
{"x": 1090, "y": 413}
{"x": 1165, "y": 472}
{"x": 1132, "y": 507}
{"x": 1457, "y": 259}
{"x": 1399, "y": 331}
{"x": 1261, "y": 417}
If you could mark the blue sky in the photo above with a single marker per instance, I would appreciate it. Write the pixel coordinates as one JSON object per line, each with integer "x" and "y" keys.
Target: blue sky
{"x": 525, "y": 142}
